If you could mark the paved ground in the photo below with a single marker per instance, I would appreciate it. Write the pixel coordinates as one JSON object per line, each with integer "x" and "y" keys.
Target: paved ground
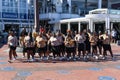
{"x": 56, "y": 70}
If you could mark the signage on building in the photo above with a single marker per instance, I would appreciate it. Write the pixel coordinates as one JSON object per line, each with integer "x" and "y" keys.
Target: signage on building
{"x": 9, "y": 15}
{"x": 17, "y": 16}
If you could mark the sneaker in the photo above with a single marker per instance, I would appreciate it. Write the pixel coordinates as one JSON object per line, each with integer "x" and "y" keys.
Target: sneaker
{"x": 104, "y": 58}
{"x": 78, "y": 58}
{"x": 47, "y": 58}
{"x": 68, "y": 59}
{"x": 60, "y": 58}
{"x": 10, "y": 61}
{"x": 32, "y": 60}
{"x": 113, "y": 58}
{"x": 28, "y": 60}
{"x": 14, "y": 59}
{"x": 74, "y": 59}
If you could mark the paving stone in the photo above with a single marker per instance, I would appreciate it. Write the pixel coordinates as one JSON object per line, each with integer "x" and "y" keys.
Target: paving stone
{"x": 24, "y": 73}
{"x": 95, "y": 69}
{"x": 7, "y": 68}
{"x": 118, "y": 67}
{"x": 63, "y": 72}
{"x": 1, "y": 63}
{"x": 106, "y": 78}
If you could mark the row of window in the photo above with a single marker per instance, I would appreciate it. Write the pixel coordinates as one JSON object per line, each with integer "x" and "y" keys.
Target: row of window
{"x": 14, "y": 10}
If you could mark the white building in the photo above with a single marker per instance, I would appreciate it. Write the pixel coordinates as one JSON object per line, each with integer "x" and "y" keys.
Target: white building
{"x": 60, "y": 14}
{"x": 80, "y": 14}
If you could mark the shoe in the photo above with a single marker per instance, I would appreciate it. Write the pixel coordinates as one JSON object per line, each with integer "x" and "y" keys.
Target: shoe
{"x": 10, "y": 61}
{"x": 28, "y": 60}
{"x": 113, "y": 58}
{"x": 14, "y": 59}
{"x": 68, "y": 59}
{"x": 32, "y": 60}
{"x": 104, "y": 58}
{"x": 74, "y": 59}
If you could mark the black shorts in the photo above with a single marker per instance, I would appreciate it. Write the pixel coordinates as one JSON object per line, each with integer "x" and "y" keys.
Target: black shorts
{"x": 12, "y": 48}
{"x": 24, "y": 49}
{"x": 81, "y": 46}
{"x": 29, "y": 48}
{"x": 94, "y": 47}
{"x": 39, "y": 50}
{"x": 106, "y": 47}
{"x": 70, "y": 49}
{"x": 62, "y": 47}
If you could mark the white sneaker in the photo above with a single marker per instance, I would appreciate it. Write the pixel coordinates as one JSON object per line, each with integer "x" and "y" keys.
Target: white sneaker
{"x": 13, "y": 59}
{"x": 10, "y": 61}
{"x": 32, "y": 60}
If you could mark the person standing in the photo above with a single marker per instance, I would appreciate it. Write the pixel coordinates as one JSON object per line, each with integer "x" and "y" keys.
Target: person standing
{"x": 87, "y": 41}
{"x": 12, "y": 45}
{"x": 70, "y": 46}
{"x": 80, "y": 38}
{"x": 100, "y": 42}
{"x": 29, "y": 44}
{"x": 106, "y": 45}
{"x": 21, "y": 40}
{"x": 41, "y": 42}
{"x": 53, "y": 41}
{"x": 114, "y": 35}
{"x": 93, "y": 41}
{"x": 61, "y": 38}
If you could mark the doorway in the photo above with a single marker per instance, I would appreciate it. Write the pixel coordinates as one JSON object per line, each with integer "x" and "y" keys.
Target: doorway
{"x": 13, "y": 27}
{"x": 99, "y": 27}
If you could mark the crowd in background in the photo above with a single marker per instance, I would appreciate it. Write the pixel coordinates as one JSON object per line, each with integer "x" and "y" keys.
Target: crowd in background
{"x": 73, "y": 46}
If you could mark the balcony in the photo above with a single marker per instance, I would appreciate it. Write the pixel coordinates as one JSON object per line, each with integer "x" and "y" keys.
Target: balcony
{"x": 47, "y": 16}
{"x": 57, "y": 16}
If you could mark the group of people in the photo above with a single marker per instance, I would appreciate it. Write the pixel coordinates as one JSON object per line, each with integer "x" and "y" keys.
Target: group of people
{"x": 72, "y": 46}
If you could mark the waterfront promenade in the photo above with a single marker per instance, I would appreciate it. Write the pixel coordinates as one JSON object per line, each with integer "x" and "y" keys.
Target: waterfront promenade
{"x": 59, "y": 70}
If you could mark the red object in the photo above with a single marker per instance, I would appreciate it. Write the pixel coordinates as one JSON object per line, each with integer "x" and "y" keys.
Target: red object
{"x": 42, "y": 30}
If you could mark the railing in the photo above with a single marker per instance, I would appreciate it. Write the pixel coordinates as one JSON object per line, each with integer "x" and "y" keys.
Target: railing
{"x": 114, "y": 12}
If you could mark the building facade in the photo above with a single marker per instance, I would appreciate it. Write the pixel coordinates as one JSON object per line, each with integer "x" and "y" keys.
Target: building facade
{"x": 53, "y": 13}
{"x": 16, "y": 14}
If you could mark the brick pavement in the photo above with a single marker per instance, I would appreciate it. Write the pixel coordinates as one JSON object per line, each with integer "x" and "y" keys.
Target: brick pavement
{"x": 49, "y": 70}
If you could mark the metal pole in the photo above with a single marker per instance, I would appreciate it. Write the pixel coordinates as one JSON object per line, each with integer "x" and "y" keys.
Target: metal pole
{"x": 36, "y": 15}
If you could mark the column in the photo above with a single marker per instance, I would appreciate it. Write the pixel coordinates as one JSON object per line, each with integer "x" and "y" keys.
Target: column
{"x": 68, "y": 25}
{"x": 107, "y": 23}
{"x": 59, "y": 26}
{"x": 91, "y": 25}
{"x": 111, "y": 26}
{"x": 99, "y": 4}
{"x": 79, "y": 26}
